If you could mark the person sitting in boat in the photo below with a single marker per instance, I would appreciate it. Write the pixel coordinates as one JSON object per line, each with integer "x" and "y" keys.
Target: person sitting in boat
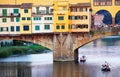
{"x": 83, "y": 59}
{"x": 105, "y": 66}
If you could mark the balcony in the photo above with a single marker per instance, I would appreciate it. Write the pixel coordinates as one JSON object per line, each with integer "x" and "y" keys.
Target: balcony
{"x": 10, "y": 15}
{"x": 15, "y": 14}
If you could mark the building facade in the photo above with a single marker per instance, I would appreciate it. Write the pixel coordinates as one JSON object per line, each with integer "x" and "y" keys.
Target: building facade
{"x": 109, "y": 8}
{"x": 26, "y": 21}
{"x": 62, "y": 16}
{"x": 80, "y": 17}
{"x": 9, "y": 19}
{"x": 42, "y": 19}
{"x": 61, "y": 13}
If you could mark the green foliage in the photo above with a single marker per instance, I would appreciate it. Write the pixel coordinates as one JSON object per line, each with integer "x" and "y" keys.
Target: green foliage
{"x": 21, "y": 50}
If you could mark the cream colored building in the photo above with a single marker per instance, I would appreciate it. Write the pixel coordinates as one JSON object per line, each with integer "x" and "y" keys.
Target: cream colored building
{"x": 42, "y": 19}
{"x": 9, "y": 19}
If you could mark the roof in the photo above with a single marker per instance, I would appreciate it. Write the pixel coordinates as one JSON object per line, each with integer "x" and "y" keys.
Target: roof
{"x": 23, "y": 5}
{"x": 81, "y": 5}
{"x": 26, "y": 5}
{"x": 9, "y": 6}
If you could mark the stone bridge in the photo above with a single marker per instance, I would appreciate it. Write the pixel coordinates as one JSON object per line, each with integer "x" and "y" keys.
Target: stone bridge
{"x": 65, "y": 45}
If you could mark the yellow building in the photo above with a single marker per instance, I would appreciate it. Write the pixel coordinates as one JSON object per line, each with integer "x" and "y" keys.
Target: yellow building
{"x": 110, "y": 9}
{"x": 39, "y": 2}
{"x": 80, "y": 17}
{"x": 26, "y": 21}
{"x": 61, "y": 13}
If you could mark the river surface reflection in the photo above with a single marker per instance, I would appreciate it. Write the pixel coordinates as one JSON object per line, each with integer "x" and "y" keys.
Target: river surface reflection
{"x": 42, "y": 65}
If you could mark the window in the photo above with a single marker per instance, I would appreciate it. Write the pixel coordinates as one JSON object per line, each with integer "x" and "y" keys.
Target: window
{"x": 28, "y": 18}
{"x": 81, "y": 17}
{"x": 60, "y": 17}
{"x": 0, "y": 29}
{"x": 85, "y": 9}
{"x": 12, "y": 28}
{"x": 117, "y": 2}
{"x": 50, "y": 18}
{"x": 73, "y": 17}
{"x": 57, "y": 27}
{"x": 62, "y": 27}
{"x": 4, "y": 20}
{"x": 45, "y": 18}
{"x": 80, "y": 9}
{"x": 4, "y": 12}
{"x": 12, "y": 19}
{"x": 64, "y": 8}
{"x": 17, "y": 19}
{"x": 76, "y": 17}
{"x": 102, "y": 2}
{"x": 37, "y": 9}
{"x": 4, "y": 29}
{"x": 47, "y": 10}
{"x": 23, "y": 18}
{"x": 85, "y": 17}
{"x": 37, "y": 27}
{"x": 25, "y": 10}
{"x": 37, "y": 18}
{"x": 26, "y": 27}
{"x": 47, "y": 27}
{"x": 73, "y": 26}
{"x": 85, "y": 26}
{"x": 109, "y": 2}
{"x": 16, "y": 10}
{"x": 17, "y": 28}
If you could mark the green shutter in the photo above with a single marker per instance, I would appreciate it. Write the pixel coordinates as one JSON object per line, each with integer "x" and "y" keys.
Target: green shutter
{"x": 17, "y": 19}
{"x": 47, "y": 10}
{"x": 47, "y": 27}
{"x": 4, "y": 12}
{"x": 37, "y": 27}
{"x": 12, "y": 19}
{"x": 4, "y": 20}
{"x": 25, "y": 10}
{"x": 28, "y": 18}
{"x": 16, "y": 10}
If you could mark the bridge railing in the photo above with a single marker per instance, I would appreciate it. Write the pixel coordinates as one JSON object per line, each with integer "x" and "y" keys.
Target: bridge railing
{"x": 103, "y": 30}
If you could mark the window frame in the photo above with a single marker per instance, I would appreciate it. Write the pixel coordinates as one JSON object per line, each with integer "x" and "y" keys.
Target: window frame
{"x": 60, "y": 17}
{"x": 25, "y": 27}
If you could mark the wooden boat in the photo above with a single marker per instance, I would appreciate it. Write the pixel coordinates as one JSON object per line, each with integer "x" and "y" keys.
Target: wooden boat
{"x": 83, "y": 59}
{"x": 105, "y": 68}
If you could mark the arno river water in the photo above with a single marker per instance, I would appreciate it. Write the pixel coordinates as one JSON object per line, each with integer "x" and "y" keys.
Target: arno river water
{"x": 42, "y": 65}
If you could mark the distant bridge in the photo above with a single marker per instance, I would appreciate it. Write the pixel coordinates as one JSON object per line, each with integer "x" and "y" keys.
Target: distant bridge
{"x": 65, "y": 45}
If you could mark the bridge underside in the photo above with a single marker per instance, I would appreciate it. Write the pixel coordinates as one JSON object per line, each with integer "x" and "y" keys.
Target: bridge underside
{"x": 64, "y": 45}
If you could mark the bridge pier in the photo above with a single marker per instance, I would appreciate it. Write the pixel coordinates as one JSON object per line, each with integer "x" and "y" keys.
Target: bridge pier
{"x": 63, "y": 47}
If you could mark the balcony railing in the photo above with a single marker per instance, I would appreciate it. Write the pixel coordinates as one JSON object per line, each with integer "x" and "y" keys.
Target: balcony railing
{"x": 10, "y": 15}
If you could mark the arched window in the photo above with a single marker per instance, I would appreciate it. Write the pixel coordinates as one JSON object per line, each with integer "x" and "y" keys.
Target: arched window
{"x": 107, "y": 16}
{"x": 117, "y": 18}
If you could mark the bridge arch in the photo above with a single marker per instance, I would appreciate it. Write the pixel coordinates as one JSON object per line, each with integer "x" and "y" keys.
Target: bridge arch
{"x": 117, "y": 18}
{"x": 107, "y": 16}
